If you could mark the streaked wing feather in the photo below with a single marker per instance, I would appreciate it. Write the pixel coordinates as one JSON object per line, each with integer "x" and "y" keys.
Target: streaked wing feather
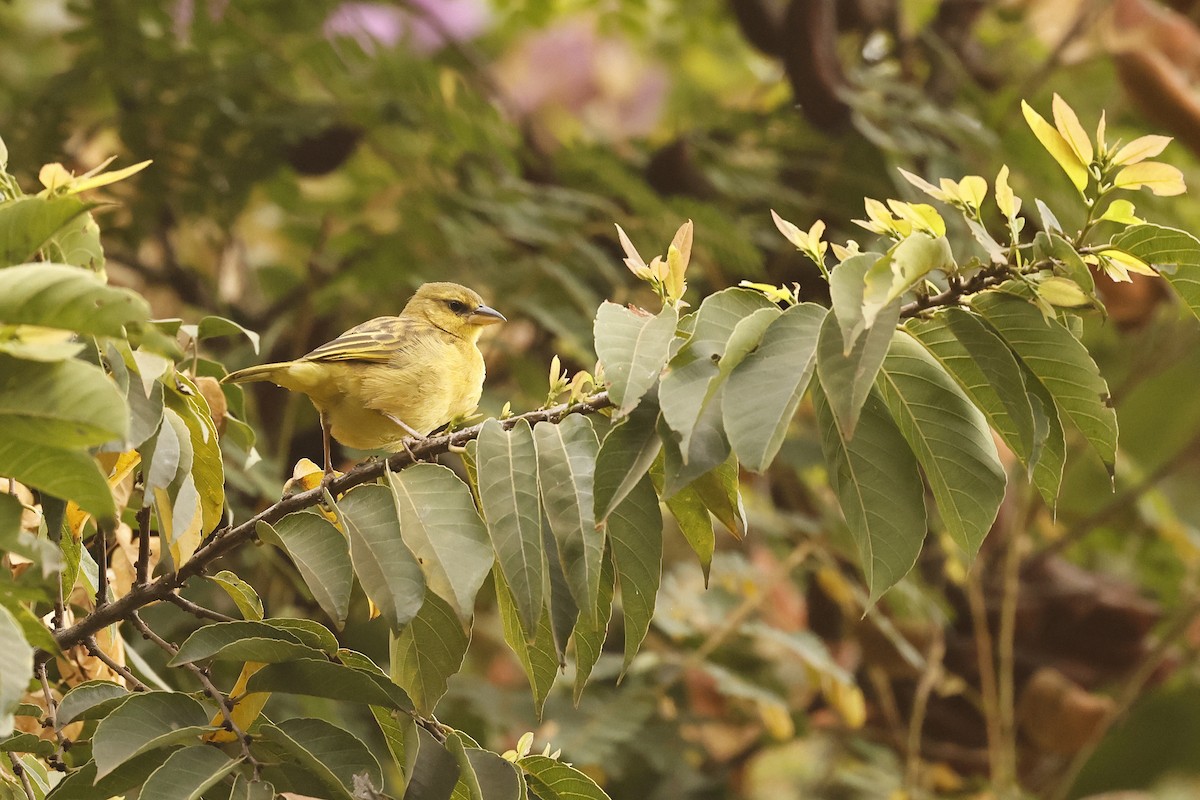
{"x": 377, "y": 340}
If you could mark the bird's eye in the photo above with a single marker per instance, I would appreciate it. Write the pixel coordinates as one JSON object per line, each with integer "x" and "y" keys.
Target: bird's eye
{"x": 457, "y": 307}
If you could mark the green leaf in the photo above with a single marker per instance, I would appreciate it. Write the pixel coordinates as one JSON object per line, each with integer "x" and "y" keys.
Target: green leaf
{"x": 242, "y": 640}
{"x": 986, "y": 370}
{"x": 27, "y": 222}
{"x": 67, "y": 298}
{"x": 633, "y": 348}
{"x": 16, "y": 668}
{"x": 434, "y": 771}
{"x": 246, "y": 789}
{"x": 308, "y": 631}
{"x": 904, "y": 267}
{"x": 692, "y": 376}
{"x": 626, "y": 454}
{"x": 427, "y": 651}
{"x": 27, "y": 743}
{"x": 187, "y": 773}
{"x": 486, "y": 775}
{"x": 1174, "y": 253}
{"x": 83, "y": 784}
{"x": 62, "y": 404}
{"x": 949, "y": 437}
{"x": 508, "y": 492}
{"x": 566, "y": 458}
{"x": 335, "y": 757}
{"x": 847, "y": 375}
{"x": 708, "y": 448}
{"x": 536, "y": 653}
{"x": 589, "y": 635}
{"x": 313, "y": 677}
{"x": 695, "y": 524}
{"x": 87, "y": 696}
{"x": 77, "y": 243}
{"x": 242, "y": 594}
{"x": 212, "y": 326}
{"x": 718, "y": 490}
{"x": 441, "y": 526}
{"x": 146, "y": 722}
{"x": 564, "y": 611}
{"x": 550, "y": 779}
{"x": 765, "y": 389}
{"x": 847, "y": 286}
{"x": 387, "y": 569}
{"x": 1060, "y": 363}
{"x": 207, "y": 468}
{"x": 879, "y": 488}
{"x": 635, "y": 533}
{"x": 321, "y": 555}
{"x": 67, "y": 474}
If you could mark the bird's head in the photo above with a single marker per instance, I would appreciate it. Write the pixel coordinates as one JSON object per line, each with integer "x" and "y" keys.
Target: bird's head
{"x": 453, "y": 308}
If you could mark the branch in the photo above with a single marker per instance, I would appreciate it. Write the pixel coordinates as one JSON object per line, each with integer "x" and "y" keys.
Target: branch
{"x": 226, "y": 539}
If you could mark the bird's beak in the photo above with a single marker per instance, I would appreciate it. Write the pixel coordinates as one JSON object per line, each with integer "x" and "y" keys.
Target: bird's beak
{"x": 486, "y": 315}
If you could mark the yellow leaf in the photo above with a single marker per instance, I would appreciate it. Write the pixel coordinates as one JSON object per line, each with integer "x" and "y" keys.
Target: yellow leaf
{"x": 927, "y": 187}
{"x": 973, "y": 189}
{"x": 1057, "y": 146}
{"x": 921, "y": 216}
{"x": 1008, "y": 203}
{"x": 847, "y": 700}
{"x": 1121, "y": 211}
{"x": 248, "y": 707}
{"x": 1141, "y": 149}
{"x": 52, "y": 176}
{"x": 1129, "y": 262}
{"x": 1161, "y": 179}
{"x": 1101, "y": 130}
{"x": 1063, "y": 292}
{"x": 1074, "y": 134}
{"x": 105, "y": 178}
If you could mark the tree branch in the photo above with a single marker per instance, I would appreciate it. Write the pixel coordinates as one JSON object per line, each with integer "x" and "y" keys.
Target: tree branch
{"x": 226, "y": 539}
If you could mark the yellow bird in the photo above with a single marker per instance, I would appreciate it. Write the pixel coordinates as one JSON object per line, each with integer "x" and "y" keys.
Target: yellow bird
{"x": 393, "y": 377}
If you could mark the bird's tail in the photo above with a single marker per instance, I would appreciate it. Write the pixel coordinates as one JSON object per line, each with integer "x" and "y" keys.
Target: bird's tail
{"x": 262, "y": 372}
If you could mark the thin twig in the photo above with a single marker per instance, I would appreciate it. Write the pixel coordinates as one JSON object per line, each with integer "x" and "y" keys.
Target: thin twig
{"x": 987, "y": 668}
{"x": 52, "y": 718}
{"x": 929, "y": 678}
{"x": 20, "y": 772}
{"x": 229, "y": 538}
{"x": 1006, "y": 645}
{"x": 101, "y": 557}
{"x": 93, "y": 647}
{"x": 198, "y": 610}
{"x": 143, "y": 554}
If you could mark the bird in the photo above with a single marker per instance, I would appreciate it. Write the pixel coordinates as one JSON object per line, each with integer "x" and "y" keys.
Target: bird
{"x": 393, "y": 377}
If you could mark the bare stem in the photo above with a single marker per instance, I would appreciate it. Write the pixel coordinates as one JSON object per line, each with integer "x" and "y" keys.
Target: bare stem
{"x": 101, "y": 557}
{"x": 93, "y": 647}
{"x": 198, "y": 610}
{"x": 19, "y": 770}
{"x": 143, "y": 554}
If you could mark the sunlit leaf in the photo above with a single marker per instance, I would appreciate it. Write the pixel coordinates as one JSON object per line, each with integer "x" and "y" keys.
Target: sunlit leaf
{"x": 1175, "y": 254}
{"x": 27, "y": 222}
{"x": 16, "y": 668}
{"x": 68, "y": 298}
{"x": 1140, "y": 149}
{"x": 1072, "y": 132}
{"x": 242, "y": 594}
{"x": 1163, "y": 180}
{"x": 1057, "y": 146}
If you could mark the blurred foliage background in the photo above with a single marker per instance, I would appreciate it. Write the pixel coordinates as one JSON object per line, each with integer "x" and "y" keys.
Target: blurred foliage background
{"x": 314, "y": 162}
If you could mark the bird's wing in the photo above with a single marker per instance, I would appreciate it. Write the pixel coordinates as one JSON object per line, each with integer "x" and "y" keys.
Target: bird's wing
{"x": 377, "y": 340}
